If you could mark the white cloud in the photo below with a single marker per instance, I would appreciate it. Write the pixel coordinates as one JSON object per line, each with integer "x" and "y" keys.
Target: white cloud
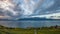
{"x": 55, "y": 15}
{"x": 29, "y": 6}
{"x": 2, "y": 17}
{"x": 8, "y": 6}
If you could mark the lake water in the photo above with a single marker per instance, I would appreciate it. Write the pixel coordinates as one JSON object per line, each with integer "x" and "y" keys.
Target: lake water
{"x": 24, "y": 24}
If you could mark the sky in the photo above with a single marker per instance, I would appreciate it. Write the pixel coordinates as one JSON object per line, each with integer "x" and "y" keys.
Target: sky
{"x": 12, "y": 9}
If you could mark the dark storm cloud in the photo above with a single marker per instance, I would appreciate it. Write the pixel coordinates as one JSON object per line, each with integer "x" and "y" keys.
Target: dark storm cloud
{"x": 55, "y": 6}
{"x": 34, "y": 8}
{"x": 1, "y": 12}
{"x": 52, "y": 9}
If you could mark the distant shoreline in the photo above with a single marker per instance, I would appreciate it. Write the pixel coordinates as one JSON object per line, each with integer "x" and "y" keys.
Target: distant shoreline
{"x": 30, "y": 19}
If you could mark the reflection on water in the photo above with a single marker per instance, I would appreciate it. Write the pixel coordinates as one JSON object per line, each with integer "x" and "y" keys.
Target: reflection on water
{"x": 24, "y": 24}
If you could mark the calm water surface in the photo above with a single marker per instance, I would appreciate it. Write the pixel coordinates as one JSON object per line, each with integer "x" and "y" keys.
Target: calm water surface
{"x": 24, "y": 24}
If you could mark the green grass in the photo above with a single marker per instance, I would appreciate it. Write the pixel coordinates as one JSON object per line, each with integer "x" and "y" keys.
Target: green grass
{"x": 5, "y": 30}
{"x": 49, "y": 31}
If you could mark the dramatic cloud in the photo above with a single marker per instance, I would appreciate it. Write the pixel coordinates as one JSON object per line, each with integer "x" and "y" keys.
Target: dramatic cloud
{"x": 25, "y": 8}
{"x": 7, "y": 7}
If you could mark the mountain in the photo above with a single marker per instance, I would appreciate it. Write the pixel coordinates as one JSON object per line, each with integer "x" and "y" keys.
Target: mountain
{"x": 7, "y": 20}
{"x": 35, "y": 18}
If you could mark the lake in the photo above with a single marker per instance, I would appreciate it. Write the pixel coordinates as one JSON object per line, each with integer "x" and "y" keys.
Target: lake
{"x": 25, "y": 24}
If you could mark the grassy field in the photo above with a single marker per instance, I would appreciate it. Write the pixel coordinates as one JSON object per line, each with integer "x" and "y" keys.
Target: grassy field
{"x": 5, "y": 30}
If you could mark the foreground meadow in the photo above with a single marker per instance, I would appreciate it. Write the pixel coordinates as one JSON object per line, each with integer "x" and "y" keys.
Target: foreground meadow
{"x": 5, "y": 30}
